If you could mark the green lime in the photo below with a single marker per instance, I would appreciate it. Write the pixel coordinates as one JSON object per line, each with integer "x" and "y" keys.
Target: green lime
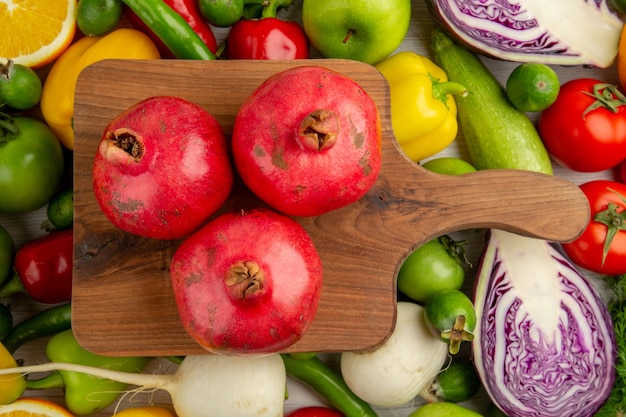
{"x": 20, "y": 86}
{"x": 221, "y": 13}
{"x": 97, "y": 17}
{"x": 532, "y": 87}
{"x": 448, "y": 166}
{"x": 60, "y": 211}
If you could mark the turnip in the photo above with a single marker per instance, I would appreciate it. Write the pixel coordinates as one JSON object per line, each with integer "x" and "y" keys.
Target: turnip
{"x": 162, "y": 168}
{"x": 308, "y": 141}
{"x": 400, "y": 368}
{"x": 203, "y": 385}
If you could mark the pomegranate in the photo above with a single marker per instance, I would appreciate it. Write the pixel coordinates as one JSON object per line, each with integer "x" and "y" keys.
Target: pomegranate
{"x": 308, "y": 141}
{"x": 162, "y": 168}
{"x": 247, "y": 282}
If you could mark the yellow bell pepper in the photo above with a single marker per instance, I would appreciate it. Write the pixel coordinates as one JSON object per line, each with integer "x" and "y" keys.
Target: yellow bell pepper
{"x": 423, "y": 110}
{"x": 11, "y": 386}
{"x": 57, "y": 97}
{"x": 147, "y": 411}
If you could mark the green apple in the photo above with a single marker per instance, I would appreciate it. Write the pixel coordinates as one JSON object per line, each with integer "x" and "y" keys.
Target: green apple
{"x": 363, "y": 30}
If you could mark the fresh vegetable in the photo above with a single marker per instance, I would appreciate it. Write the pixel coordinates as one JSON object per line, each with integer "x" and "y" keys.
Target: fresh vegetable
{"x": 544, "y": 344}
{"x": 98, "y": 17}
{"x": 401, "y": 367}
{"x": 203, "y": 385}
{"x": 84, "y": 394}
{"x": 20, "y": 86}
{"x": 601, "y": 247}
{"x": 531, "y": 31}
{"x": 259, "y": 290}
{"x": 328, "y": 383}
{"x": 7, "y": 252}
{"x": 12, "y": 386}
{"x": 60, "y": 211}
{"x": 443, "y": 409}
{"x": 618, "y": 5}
{"x": 44, "y": 323}
{"x": 423, "y": 109}
{"x": 585, "y": 129}
{"x": 496, "y": 133}
{"x": 221, "y": 13}
{"x": 43, "y": 269}
{"x": 6, "y": 321}
{"x": 268, "y": 37}
{"x": 149, "y": 158}
{"x": 332, "y": 159}
{"x": 448, "y": 165}
{"x": 458, "y": 381}
{"x": 434, "y": 266}
{"x": 32, "y": 164}
{"x": 147, "y": 411}
{"x": 315, "y": 412}
{"x": 621, "y": 57}
{"x": 57, "y": 98}
{"x": 532, "y": 87}
{"x": 615, "y": 406}
{"x": 176, "y": 26}
{"x": 451, "y": 316}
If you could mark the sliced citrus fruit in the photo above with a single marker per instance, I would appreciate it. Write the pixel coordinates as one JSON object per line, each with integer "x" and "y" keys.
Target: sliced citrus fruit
{"x": 33, "y": 407}
{"x": 35, "y": 32}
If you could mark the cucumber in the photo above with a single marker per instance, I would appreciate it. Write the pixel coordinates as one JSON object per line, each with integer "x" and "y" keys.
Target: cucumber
{"x": 496, "y": 133}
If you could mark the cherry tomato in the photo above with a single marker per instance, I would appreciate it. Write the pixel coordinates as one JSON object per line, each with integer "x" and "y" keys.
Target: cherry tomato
{"x": 31, "y": 164}
{"x": 601, "y": 247}
{"x": 585, "y": 129}
{"x": 314, "y": 411}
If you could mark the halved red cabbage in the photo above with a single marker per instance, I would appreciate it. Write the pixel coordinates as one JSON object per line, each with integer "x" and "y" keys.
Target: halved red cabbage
{"x": 545, "y": 344}
{"x": 562, "y": 32}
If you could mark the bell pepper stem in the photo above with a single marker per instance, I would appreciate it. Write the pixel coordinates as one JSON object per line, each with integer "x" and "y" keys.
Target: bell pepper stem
{"x": 12, "y": 286}
{"x": 50, "y": 381}
{"x": 271, "y": 7}
{"x": 441, "y": 90}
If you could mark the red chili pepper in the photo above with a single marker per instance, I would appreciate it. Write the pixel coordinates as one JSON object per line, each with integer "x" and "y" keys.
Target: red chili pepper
{"x": 42, "y": 268}
{"x": 268, "y": 37}
{"x": 190, "y": 11}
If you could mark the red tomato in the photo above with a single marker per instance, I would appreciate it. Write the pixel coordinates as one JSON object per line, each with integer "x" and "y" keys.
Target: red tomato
{"x": 315, "y": 412}
{"x": 585, "y": 129}
{"x": 607, "y": 200}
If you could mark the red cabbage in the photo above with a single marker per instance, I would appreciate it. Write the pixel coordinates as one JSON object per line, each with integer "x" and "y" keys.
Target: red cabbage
{"x": 564, "y": 32}
{"x": 545, "y": 344}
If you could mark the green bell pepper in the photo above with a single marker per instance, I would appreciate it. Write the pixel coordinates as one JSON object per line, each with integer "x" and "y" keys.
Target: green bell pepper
{"x": 85, "y": 394}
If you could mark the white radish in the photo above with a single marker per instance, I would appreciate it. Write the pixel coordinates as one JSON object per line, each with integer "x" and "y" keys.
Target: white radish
{"x": 400, "y": 368}
{"x": 204, "y": 385}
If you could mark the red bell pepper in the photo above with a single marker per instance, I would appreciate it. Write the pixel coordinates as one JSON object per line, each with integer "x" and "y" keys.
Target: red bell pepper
{"x": 267, "y": 37}
{"x": 190, "y": 11}
{"x": 42, "y": 268}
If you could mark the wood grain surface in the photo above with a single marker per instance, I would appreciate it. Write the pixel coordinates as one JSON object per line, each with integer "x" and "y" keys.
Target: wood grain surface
{"x": 121, "y": 281}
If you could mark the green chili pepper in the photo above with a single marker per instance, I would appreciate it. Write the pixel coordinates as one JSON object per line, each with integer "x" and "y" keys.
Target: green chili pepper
{"x": 328, "y": 383}
{"x": 171, "y": 28}
{"x": 45, "y": 323}
{"x": 85, "y": 394}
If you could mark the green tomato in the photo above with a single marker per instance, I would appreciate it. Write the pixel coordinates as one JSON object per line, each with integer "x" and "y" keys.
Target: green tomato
{"x": 221, "y": 13}
{"x": 20, "y": 86}
{"x": 7, "y": 252}
{"x": 31, "y": 164}
{"x": 437, "y": 265}
{"x": 451, "y": 315}
{"x": 448, "y": 166}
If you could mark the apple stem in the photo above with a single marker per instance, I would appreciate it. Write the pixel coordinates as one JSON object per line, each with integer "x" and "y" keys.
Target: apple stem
{"x": 348, "y": 35}
{"x": 319, "y": 130}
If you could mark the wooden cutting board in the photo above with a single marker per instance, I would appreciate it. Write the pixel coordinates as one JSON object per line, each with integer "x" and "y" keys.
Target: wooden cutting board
{"x": 122, "y": 300}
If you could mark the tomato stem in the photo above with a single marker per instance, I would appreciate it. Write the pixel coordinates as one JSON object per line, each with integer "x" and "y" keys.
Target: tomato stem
{"x": 8, "y": 127}
{"x": 613, "y": 220}
{"x": 607, "y": 96}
